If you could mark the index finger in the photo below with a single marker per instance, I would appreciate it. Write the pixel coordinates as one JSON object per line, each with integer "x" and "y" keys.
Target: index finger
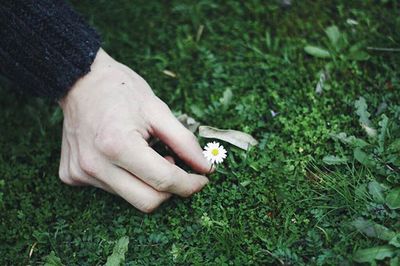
{"x": 145, "y": 163}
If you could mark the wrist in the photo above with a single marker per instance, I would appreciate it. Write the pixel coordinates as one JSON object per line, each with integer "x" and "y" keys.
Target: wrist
{"x": 101, "y": 61}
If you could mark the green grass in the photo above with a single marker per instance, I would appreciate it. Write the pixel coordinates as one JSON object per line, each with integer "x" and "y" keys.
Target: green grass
{"x": 278, "y": 203}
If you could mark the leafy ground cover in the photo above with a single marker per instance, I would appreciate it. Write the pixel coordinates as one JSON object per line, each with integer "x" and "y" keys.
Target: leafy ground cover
{"x": 322, "y": 186}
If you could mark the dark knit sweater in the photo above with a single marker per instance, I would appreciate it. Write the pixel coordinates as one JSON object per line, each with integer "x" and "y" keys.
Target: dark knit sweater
{"x": 45, "y": 46}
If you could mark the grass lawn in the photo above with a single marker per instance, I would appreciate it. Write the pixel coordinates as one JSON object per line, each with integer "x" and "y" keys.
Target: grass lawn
{"x": 321, "y": 188}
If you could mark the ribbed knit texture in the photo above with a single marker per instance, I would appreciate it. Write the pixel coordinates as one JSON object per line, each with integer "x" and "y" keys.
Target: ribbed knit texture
{"x": 45, "y": 46}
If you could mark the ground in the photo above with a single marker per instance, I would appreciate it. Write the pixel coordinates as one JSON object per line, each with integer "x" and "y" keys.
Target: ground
{"x": 306, "y": 195}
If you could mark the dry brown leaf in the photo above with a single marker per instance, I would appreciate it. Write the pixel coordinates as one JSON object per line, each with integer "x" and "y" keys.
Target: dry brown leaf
{"x": 234, "y": 137}
{"x": 189, "y": 122}
{"x": 169, "y": 73}
{"x": 32, "y": 248}
{"x": 199, "y": 33}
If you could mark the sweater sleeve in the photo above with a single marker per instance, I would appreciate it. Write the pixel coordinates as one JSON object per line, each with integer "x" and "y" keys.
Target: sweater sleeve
{"x": 45, "y": 46}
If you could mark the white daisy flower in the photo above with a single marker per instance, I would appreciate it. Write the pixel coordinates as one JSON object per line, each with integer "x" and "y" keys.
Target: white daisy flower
{"x": 214, "y": 152}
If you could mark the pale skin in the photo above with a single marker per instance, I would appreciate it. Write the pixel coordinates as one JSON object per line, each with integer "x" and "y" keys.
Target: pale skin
{"x": 109, "y": 115}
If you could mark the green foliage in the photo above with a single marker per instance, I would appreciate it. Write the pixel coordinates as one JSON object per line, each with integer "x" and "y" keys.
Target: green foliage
{"x": 375, "y": 253}
{"x": 393, "y": 198}
{"x": 317, "y": 52}
{"x": 372, "y": 229}
{"x": 338, "y": 48}
{"x": 333, "y": 160}
{"x": 374, "y": 155}
{"x": 52, "y": 260}
{"x": 376, "y": 190}
{"x": 118, "y": 256}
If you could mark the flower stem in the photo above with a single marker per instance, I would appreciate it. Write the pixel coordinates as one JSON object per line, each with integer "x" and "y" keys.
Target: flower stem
{"x": 212, "y": 165}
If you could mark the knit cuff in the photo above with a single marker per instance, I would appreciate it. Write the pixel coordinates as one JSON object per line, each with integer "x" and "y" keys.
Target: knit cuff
{"x": 45, "y": 46}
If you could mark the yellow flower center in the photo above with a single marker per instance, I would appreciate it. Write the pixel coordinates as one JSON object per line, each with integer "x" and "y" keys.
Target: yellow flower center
{"x": 215, "y": 152}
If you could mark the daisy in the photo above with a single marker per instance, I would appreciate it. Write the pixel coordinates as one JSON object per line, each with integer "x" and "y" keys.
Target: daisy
{"x": 214, "y": 152}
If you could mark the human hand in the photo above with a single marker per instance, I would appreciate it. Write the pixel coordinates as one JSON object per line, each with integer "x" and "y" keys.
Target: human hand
{"x": 109, "y": 114}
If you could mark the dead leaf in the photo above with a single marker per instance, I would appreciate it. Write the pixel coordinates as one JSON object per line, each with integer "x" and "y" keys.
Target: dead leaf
{"x": 199, "y": 33}
{"x": 189, "y": 122}
{"x": 32, "y": 248}
{"x": 320, "y": 85}
{"x": 234, "y": 137}
{"x": 169, "y": 73}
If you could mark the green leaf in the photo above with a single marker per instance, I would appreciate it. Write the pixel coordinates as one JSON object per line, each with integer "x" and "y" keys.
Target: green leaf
{"x": 358, "y": 56}
{"x": 245, "y": 183}
{"x": 363, "y": 158}
{"x": 393, "y": 198}
{"x": 351, "y": 140}
{"x": 197, "y": 111}
{"x": 52, "y": 260}
{"x": 376, "y": 191}
{"x": 362, "y": 112}
{"x": 383, "y": 125}
{"x": 334, "y": 35}
{"x": 317, "y": 51}
{"x": 334, "y": 160}
{"x": 372, "y": 229}
{"x": 375, "y": 253}
{"x": 395, "y": 241}
{"x": 356, "y": 53}
{"x": 394, "y": 146}
{"x": 118, "y": 256}
{"x": 57, "y": 116}
{"x": 395, "y": 261}
{"x": 226, "y": 98}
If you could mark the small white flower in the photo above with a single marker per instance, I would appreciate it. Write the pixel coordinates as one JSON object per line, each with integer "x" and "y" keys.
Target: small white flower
{"x": 214, "y": 152}
{"x": 273, "y": 113}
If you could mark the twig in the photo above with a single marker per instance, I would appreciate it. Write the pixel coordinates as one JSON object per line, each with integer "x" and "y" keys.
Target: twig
{"x": 199, "y": 33}
{"x": 383, "y": 49}
{"x": 274, "y": 256}
{"x": 32, "y": 248}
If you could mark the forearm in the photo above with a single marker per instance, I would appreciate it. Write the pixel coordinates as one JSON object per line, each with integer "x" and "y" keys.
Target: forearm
{"x": 44, "y": 45}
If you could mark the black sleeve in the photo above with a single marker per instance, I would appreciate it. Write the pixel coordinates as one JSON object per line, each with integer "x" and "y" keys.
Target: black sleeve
{"x": 45, "y": 46}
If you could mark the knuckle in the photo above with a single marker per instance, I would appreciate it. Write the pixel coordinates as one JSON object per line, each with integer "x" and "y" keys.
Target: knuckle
{"x": 109, "y": 142}
{"x": 65, "y": 178}
{"x": 148, "y": 208}
{"x": 161, "y": 104}
{"x": 164, "y": 185}
{"x": 75, "y": 174}
{"x": 88, "y": 165}
{"x": 151, "y": 204}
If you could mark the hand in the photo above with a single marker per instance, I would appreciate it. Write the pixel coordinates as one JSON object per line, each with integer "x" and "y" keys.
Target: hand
{"x": 109, "y": 114}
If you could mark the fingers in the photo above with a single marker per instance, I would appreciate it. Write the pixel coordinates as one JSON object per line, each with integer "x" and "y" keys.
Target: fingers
{"x": 113, "y": 179}
{"x": 170, "y": 159}
{"x": 63, "y": 171}
{"x": 167, "y": 128}
{"x": 133, "y": 190}
{"x": 71, "y": 173}
{"x": 145, "y": 163}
